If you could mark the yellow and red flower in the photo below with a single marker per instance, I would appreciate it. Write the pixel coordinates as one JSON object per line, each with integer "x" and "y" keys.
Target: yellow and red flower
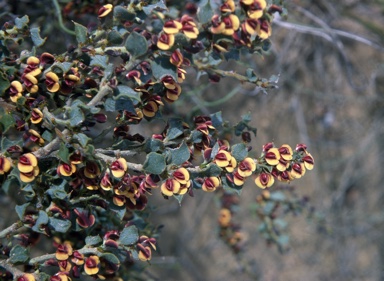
{"x": 170, "y": 187}
{"x": 92, "y": 265}
{"x": 5, "y": 165}
{"x": 64, "y": 251}
{"x": 165, "y": 41}
{"x": 255, "y": 10}
{"x": 145, "y": 252}
{"x": 264, "y": 180}
{"x": 231, "y": 24}
{"x": 246, "y": 167}
{"x": 297, "y": 170}
{"x": 223, "y": 158}
{"x": 210, "y": 184}
{"x": 272, "y": 156}
{"x": 172, "y": 27}
{"x": 52, "y": 82}
{"x": 28, "y": 168}
{"x": 119, "y": 167}
{"x": 105, "y": 10}
{"x": 286, "y": 152}
{"x": 66, "y": 170}
{"x": 264, "y": 29}
{"x": 189, "y": 27}
{"x": 15, "y": 91}
{"x": 308, "y": 161}
{"x": 36, "y": 116}
{"x": 181, "y": 175}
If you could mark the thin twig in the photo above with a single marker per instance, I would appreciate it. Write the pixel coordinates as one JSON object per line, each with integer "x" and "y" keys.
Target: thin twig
{"x": 10, "y": 229}
{"x": 60, "y": 18}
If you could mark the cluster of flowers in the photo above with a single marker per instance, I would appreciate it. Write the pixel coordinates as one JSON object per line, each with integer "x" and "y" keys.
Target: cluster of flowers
{"x": 255, "y": 25}
{"x": 283, "y": 164}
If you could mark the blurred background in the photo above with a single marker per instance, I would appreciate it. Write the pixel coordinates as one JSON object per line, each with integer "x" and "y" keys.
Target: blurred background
{"x": 329, "y": 58}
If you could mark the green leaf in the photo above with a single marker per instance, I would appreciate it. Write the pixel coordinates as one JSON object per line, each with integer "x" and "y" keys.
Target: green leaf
{"x": 82, "y": 139}
{"x": 217, "y": 120}
{"x": 129, "y": 235}
{"x": 239, "y": 151}
{"x": 252, "y": 77}
{"x": 47, "y": 135}
{"x": 159, "y": 6}
{"x": 211, "y": 170}
{"x": 122, "y": 14}
{"x": 154, "y": 163}
{"x": 114, "y": 38}
{"x": 136, "y": 44}
{"x": 58, "y": 191}
{"x": 93, "y": 240}
{"x": 4, "y": 82}
{"x": 111, "y": 258}
{"x": 110, "y": 105}
{"x": 20, "y": 23}
{"x": 125, "y": 104}
{"x": 61, "y": 67}
{"x": 29, "y": 192}
{"x": 6, "y": 121}
{"x": 9, "y": 183}
{"x": 180, "y": 155}
{"x": 175, "y": 128}
{"x": 179, "y": 197}
{"x": 125, "y": 144}
{"x": 76, "y": 116}
{"x": 18, "y": 254}
{"x": 127, "y": 92}
{"x": 20, "y": 210}
{"x": 63, "y": 153}
{"x": 81, "y": 33}
{"x": 60, "y": 225}
{"x": 36, "y": 38}
{"x": 161, "y": 67}
{"x": 154, "y": 145}
{"x": 205, "y": 12}
{"x": 43, "y": 219}
{"x": 99, "y": 60}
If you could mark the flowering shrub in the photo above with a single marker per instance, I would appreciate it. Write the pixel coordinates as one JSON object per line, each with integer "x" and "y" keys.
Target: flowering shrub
{"x": 88, "y": 193}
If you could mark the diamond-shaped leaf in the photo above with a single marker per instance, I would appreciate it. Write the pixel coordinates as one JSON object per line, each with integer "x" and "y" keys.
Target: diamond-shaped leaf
{"x": 154, "y": 163}
{"x": 129, "y": 235}
{"x": 180, "y": 155}
{"x": 136, "y": 44}
{"x": 18, "y": 254}
{"x": 81, "y": 33}
{"x": 36, "y": 38}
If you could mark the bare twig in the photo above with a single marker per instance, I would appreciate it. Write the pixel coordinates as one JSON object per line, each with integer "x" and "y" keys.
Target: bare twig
{"x": 10, "y": 229}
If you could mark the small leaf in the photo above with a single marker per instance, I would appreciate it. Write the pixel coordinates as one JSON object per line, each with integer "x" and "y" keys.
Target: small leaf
{"x": 161, "y": 66}
{"x": 6, "y": 120}
{"x": 175, "y": 128}
{"x": 76, "y": 116}
{"x": 114, "y": 38}
{"x": 239, "y": 151}
{"x": 93, "y": 240}
{"x": 60, "y": 225}
{"x": 180, "y": 155}
{"x": 111, "y": 258}
{"x": 217, "y": 120}
{"x": 47, "y": 135}
{"x": 18, "y": 254}
{"x": 125, "y": 104}
{"x": 43, "y": 219}
{"x": 205, "y": 12}
{"x": 136, "y": 44}
{"x": 36, "y": 38}
{"x": 159, "y": 6}
{"x": 63, "y": 153}
{"x": 4, "y": 82}
{"x": 82, "y": 139}
{"x": 122, "y": 14}
{"x": 29, "y": 192}
{"x": 20, "y": 210}
{"x": 81, "y": 33}
{"x": 212, "y": 170}
{"x": 230, "y": 186}
{"x": 154, "y": 163}
{"x": 110, "y": 105}
{"x": 154, "y": 145}
{"x": 127, "y": 92}
{"x": 20, "y": 23}
{"x": 61, "y": 67}
{"x": 129, "y": 235}
{"x": 99, "y": 60}
{"x": 179, "y": 197}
